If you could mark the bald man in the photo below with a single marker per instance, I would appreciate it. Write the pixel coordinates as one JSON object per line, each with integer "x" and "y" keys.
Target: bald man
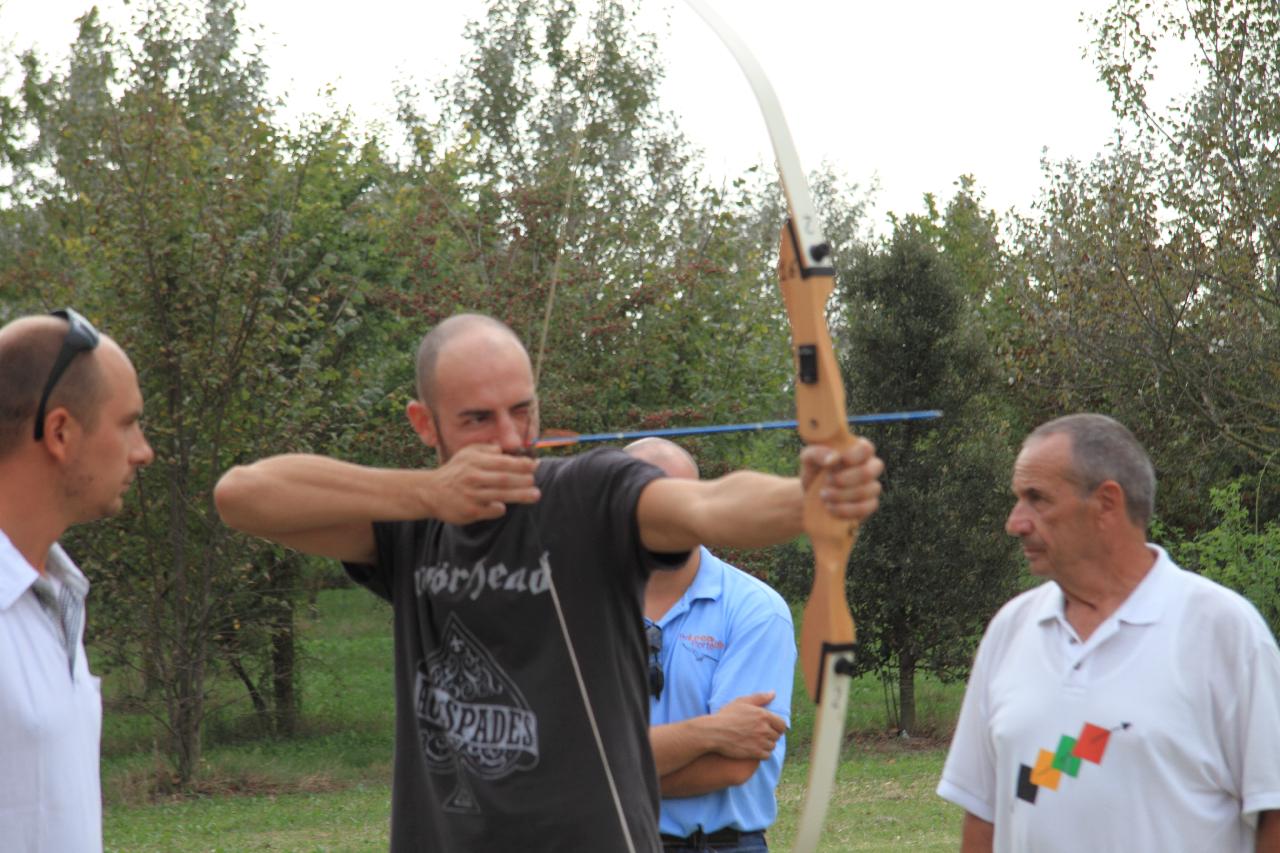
{"x": 517, "y": 586}
{"x": 722, "y": 656}
{"x": 70, "y": 445}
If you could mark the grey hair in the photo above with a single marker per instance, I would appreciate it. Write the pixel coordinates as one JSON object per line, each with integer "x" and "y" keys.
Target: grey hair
{"x": 1103, "y": 449}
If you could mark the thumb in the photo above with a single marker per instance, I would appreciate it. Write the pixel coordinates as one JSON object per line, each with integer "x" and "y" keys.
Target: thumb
{"x": 761, "y": 699}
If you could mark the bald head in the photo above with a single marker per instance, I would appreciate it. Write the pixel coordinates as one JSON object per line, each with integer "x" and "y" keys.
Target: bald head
{"x": 28, "y": 348}
{"x": 475, "y": 329}
{"x": 673, "y": 459}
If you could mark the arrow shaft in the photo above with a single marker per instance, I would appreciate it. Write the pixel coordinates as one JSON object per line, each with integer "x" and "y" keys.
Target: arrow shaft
{"x": 878, "y": 418}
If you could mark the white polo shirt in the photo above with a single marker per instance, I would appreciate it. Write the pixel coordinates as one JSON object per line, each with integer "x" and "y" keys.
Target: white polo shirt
{"x": 1161, "y": 732}
{"x": 50, "y": 725}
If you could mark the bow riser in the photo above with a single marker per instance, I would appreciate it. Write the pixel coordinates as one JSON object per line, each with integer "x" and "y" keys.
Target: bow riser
{"x": 820, "y": 399}
{"x": 828, "y": 627}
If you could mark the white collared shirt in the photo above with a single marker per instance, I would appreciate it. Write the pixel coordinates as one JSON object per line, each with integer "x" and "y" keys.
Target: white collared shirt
{"x": 50, "y": 723}
{"x": 1160, "y": 732}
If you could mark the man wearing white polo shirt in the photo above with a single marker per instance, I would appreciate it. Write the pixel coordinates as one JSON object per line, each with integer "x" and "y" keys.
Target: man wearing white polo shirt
{"x": 722, "y": 662}
{"x": 70, "y": 444}
{"x": 1125, "y": 704}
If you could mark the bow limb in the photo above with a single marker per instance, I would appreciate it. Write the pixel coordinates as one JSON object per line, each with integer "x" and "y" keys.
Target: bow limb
{"x": 807, "y": 280}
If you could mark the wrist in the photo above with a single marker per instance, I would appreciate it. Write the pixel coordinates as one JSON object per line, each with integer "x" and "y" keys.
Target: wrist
{"x": 709, "y": 737}
{"x": 423, "y": 489}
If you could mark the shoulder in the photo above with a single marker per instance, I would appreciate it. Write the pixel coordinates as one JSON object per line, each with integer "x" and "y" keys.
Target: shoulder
{"x": 744, "y": 591}
{"x": 602, "y": 465}
{"x": 1219, "y": 617}
{"x": 1023, "y": 609}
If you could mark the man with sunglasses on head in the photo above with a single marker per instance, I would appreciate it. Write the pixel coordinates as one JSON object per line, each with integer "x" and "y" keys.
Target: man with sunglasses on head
{"x": 722, "y": 656}
{"x": 70, "y": 445}
{"x": 516, "y": 586}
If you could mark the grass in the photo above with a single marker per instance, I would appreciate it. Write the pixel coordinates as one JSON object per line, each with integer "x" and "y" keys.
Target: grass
{"x": 329, "y": 788}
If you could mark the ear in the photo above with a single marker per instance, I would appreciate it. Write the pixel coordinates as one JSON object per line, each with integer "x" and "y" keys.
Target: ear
{"x": 423, "y": 423}
{"x": 1111, "y": 502}
{"x": 61, "y": 433}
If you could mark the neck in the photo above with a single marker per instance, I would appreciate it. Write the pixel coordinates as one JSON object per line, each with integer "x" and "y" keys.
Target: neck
{"x": 26, "y": 516}
{"x": 665, "y": 587}
{"x": 1098, "y": 592}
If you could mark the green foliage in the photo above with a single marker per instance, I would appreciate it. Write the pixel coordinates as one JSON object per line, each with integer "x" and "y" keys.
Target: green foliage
{"x": 1238, "y": 552}
{"x": 1150, "y": 281}
{"x": 933, "y": 565}
{"x": 232, "y": 260}
{"x": 555, "y": 196}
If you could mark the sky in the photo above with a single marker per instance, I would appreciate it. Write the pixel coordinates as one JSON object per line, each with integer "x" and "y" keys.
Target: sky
{"x": 909, "y": 95}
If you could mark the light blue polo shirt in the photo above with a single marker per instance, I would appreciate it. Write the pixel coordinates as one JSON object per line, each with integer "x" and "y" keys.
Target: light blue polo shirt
{"x": 727, "y": 636}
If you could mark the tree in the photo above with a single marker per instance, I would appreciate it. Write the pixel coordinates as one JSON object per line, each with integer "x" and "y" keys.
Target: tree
{"x": 1151, "y": 286}
{"x": 932, "y": 567}
{"x": 230, "y": 259}
{"x": 640, "y": 291}
{"x": 1238, "y": 553}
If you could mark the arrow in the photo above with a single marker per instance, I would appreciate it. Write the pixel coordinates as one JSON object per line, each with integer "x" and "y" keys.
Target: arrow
{"x": 564, "y": 438}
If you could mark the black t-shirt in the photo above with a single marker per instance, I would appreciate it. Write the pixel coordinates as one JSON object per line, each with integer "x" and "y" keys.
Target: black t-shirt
{"x": 494, "y": 748}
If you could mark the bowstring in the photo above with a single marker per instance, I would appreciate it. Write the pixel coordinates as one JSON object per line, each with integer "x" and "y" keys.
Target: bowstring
{"x": 583, "y": 692}
{"x": 573, "y": 164}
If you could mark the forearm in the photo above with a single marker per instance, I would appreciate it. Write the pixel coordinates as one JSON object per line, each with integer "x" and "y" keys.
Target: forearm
{"x": 708, "y": 773}
{"x": 977, "y": 835}
{"x": 1268, "y": 838}
{"x": 748, "y": 509}
{"x": 677, "y": 745}
{"x": 291, "y": 493}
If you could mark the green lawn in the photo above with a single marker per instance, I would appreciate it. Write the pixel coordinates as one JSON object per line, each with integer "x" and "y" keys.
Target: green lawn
{"x": 328, "y": 789}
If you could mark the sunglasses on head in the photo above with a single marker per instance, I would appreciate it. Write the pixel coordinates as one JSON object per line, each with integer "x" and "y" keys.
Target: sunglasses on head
{"x": 653, "y": 634}
{"x": 81, "y": 337}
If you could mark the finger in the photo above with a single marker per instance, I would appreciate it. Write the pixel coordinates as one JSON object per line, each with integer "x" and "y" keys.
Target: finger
{"x": 527, "y": 495}
{"x": 491, "y": 457}
{"x": 473, "y": 511}
{"x": 853, "y": 510}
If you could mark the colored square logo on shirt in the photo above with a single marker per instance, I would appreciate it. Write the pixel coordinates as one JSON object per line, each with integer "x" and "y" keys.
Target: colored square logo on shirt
{"x": 1027, "y": 790}
{"x": 1092, "y": 743}
{"x": 1044, "y": 774}
{"x": 1064, "y": 759}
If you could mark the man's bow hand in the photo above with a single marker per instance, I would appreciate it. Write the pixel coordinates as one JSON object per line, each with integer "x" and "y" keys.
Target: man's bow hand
{"x": 850, "y": 478}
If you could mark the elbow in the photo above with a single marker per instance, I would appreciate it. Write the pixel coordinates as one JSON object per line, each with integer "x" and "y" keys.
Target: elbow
{"x": 741, "y": 771}
{"x": 230, "y": 496}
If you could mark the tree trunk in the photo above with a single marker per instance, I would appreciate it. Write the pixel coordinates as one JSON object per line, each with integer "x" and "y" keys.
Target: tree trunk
{"x": 906, "y": 693}
{"x": 283, "y": 649}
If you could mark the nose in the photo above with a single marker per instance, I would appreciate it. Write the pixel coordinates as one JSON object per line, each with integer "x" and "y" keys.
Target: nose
{"x": 1017, "y": 524}
{"x": 143, "y": 454}
{"x": 511, "y": 433}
